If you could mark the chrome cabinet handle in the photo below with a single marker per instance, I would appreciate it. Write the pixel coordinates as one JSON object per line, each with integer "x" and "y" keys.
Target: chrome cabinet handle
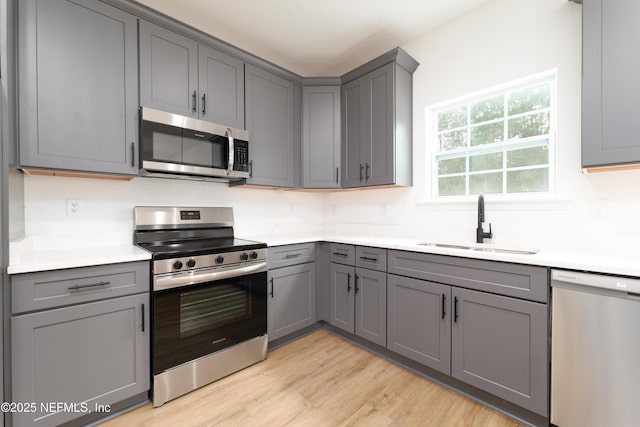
{"x": 91, "y": 285}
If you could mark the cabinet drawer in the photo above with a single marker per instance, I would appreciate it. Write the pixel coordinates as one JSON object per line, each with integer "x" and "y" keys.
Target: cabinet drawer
{"x": 47, "y": 289}
{"x": 284, "y": 256}
{"x": 371, "y": 258}
{"x": 516, "y": 280}
{"x": 343, "y": 254}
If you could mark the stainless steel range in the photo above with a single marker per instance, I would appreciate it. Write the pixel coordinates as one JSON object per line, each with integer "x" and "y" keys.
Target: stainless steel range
{"x": 209, "y": 302}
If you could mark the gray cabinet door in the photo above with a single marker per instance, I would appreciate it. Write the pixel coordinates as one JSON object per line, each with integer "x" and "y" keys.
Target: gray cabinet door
{"x": 500, "y": 345}
{"x": 95, "y": 353}
{"x": 221, "y": 88}
{"x": 292, "y": 299}
{"x": 269, "y": 118}
{"x": 321, "y": 137}
{"x": 371, "y": 305}
{"x": 342, "y": 297}
{"x": 78, "y": 86}
{"x": 168, "y": 70}
{"x": 419, "y": 321}
{"x": 610, "y": 68}
{"x": 378, "y": 148}
{"x": 353, "y": 133}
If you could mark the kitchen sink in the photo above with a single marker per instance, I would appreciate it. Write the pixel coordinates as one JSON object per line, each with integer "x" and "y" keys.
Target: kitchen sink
{"x": 444, "y": 245}
{"x": 482, "y": 248}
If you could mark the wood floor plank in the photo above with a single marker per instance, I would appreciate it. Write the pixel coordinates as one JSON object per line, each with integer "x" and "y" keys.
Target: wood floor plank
{"x": 319, "y": 380}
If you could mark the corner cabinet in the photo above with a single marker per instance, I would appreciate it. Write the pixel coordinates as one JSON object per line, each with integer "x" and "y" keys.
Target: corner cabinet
{"x": 79, "y": 337}
{"x": 610, "y": 69}
{"x": 377, "y": 128}
{"x": 270, "y": 121}
{"x": 321, "y": 137}
{"x": 181, "y": 76}
{"x": 358, "y": 295}
{"x": 78, "y": 86}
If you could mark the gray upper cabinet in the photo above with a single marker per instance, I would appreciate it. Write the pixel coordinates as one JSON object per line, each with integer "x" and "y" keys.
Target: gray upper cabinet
{"x": 168, "y": 70}
{"x": 270, "y": 122}
{"x": 376, "y": 124}
{"x": 610, "y": 69}
{"x": 78, "y": 86}
{"x": 321, "y": 137}
{"x": 500, "y": 345}
{"x": 181, "y": 76}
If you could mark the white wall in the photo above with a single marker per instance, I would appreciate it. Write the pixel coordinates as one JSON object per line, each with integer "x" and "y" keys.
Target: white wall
{"x": 501, "y": 41}
{"x": 106, "y": 207}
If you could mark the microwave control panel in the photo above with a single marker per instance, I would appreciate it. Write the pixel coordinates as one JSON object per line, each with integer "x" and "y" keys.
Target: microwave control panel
{"x": 241, "y": 156}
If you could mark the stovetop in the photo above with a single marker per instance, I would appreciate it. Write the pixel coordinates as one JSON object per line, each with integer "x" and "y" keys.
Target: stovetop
{"x": 186, "y": 248}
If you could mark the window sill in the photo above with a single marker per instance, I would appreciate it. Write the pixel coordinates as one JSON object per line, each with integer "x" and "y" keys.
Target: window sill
{"x": 497, "y": 202}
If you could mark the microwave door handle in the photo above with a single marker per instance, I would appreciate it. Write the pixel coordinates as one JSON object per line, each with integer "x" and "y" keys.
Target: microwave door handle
{"x": 231, "y": 152}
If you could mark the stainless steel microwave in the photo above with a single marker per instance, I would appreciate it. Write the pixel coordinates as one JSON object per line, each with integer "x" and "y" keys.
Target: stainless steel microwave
{"x": 175, "y": 146}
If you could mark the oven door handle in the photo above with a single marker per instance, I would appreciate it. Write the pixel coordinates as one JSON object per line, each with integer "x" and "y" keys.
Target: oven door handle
{"x": 231, "y": 152}
{"x": 172, "y": 281}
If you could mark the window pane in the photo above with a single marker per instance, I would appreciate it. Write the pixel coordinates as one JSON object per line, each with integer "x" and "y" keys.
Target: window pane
{"x": 531, "y": 125}
{"x": 487, "y": 183}
{"x": 528, "y": 157}
{"x": 485, "y": 162}
{"x": 451, "y": 186}
{"x": 529, "y": 99}
{"x": 453, "y": 118}
{"x": 528, "y": 180}
{"x": 450, "y": 166}
{"x": 487, "y": 109}
{"x": 487, "y": 134}
{"x": 452, "y": 140}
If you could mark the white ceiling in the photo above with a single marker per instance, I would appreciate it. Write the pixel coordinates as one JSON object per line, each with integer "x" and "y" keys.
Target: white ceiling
{"x": 315, "y": 38}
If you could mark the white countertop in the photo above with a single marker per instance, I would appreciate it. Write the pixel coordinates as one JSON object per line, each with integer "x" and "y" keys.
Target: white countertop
{"x": 29, "y": 256}
{"x": 583, "y": 260}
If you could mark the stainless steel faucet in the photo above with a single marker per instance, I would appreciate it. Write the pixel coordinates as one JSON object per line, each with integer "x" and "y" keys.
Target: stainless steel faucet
{"x": 480, "y": 233}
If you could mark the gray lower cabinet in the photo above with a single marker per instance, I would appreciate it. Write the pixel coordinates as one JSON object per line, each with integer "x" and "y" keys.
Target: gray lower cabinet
{"x": 610, "y": 68}
{"x": 419, "y": 321}
{"x": 270, "y": 121}
{"x": 181, "y": 76}
{"x": 79, "y": 337}
{"x": 448, "y": 316}
{"x": 321, "y": 137}
{"x": 358, "y": 296}
{"x": 78, "y": 86}
{"x": 291, "y": 293}
{"x": 292, "y": 299}
{"x": 376, "y": 112}
{"x": 500, "y": 345}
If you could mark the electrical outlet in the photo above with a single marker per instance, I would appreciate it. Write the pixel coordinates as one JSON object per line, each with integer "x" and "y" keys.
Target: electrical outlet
{"x": 73, "y": 207}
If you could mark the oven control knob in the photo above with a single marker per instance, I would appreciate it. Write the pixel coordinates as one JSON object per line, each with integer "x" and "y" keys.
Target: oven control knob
{"x": 253, "y": 255}
{"x": 191, "y": 263}
{"x": 219, "y": 260}
{"x": 244, "y": 256}
{"x": 177, "y": 265}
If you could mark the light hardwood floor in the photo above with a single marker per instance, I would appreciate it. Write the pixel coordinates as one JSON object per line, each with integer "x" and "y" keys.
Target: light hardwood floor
{"x": 319, "y": 380}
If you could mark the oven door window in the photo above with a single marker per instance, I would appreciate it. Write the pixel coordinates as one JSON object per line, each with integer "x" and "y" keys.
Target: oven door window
{"x": 194, "y": 321}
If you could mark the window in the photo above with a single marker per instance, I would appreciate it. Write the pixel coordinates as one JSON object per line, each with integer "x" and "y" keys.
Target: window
{"x": 497, "y": 142}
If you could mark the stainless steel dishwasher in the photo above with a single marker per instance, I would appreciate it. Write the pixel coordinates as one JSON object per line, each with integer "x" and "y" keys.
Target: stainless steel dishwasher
{"x": 595, "y": 356}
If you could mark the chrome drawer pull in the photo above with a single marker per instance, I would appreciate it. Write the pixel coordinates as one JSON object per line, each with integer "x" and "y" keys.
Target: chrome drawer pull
{"x": 92, "y": 285}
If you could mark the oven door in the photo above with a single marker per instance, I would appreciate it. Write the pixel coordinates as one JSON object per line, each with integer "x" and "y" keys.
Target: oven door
{"x": 196, "y": 320}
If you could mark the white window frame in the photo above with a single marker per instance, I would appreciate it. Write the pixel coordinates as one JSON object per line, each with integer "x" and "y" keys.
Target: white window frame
{"x": 434, "y": 153}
